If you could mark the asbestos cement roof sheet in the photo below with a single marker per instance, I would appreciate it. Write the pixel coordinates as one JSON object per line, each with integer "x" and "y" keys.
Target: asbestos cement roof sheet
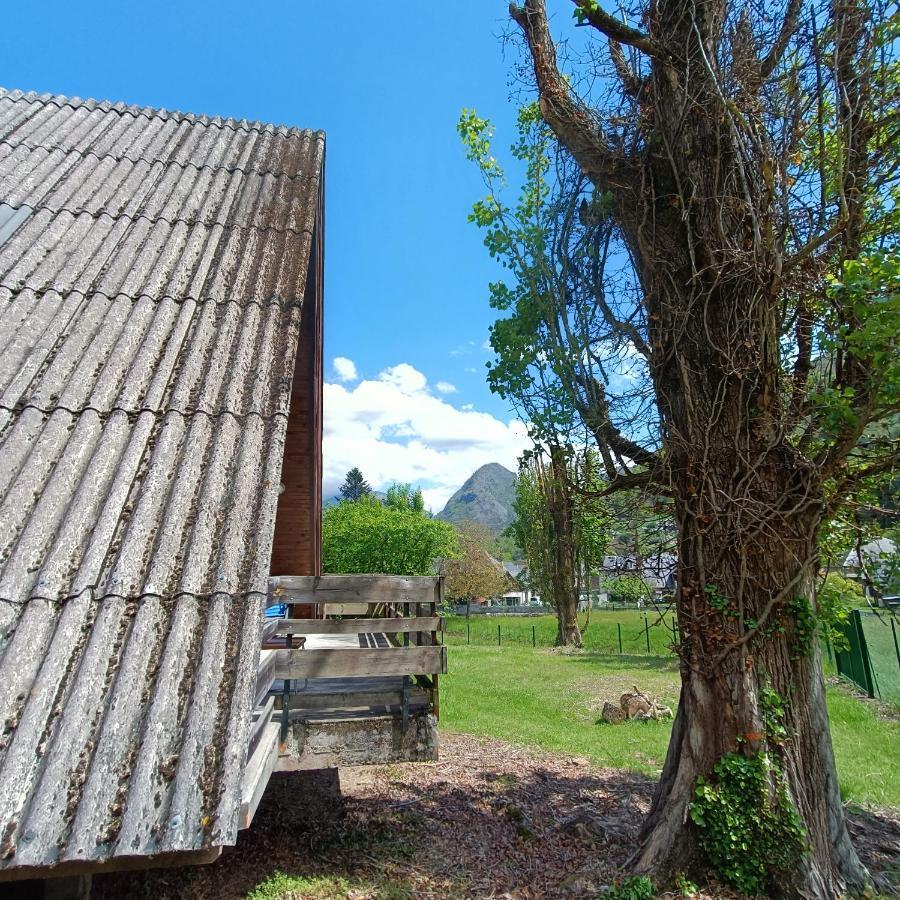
{"x": 151, "y": 291}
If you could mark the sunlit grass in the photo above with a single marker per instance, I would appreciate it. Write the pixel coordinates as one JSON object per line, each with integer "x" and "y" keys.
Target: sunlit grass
{"x": 552, "y": 700}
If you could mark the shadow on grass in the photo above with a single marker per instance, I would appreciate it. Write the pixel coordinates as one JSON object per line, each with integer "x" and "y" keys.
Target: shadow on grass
{"x": 657, "y": 663}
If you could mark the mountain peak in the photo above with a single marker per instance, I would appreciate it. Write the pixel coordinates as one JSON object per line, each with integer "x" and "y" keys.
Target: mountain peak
{"x": 486, "y": 497}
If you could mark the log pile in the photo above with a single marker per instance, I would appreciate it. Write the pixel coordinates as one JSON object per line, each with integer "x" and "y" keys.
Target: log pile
{"x": 634, "y": 705}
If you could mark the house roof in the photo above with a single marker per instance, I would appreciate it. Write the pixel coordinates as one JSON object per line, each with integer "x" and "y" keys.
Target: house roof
{"x": 875, "y": 552}
{"x": 151, "y": 287}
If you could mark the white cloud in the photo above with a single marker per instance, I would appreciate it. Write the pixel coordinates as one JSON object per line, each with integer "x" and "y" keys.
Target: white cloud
{"x": 405, "y": 378}
{"x": 395, "y": 429}
{"x": 345, "y": 369}
{"x": 444, "y": 387}
{"x": 463, "y": 349}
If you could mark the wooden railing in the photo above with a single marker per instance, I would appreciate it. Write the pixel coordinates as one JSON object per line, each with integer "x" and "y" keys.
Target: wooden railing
{"x": 396, "y": 615}
{"x": 368, "y": 645}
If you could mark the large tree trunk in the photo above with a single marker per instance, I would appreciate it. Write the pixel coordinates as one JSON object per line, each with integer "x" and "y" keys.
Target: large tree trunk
{"x": 720, "y": 712}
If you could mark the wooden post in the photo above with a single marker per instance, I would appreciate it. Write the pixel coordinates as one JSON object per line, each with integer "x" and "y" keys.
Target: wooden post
{"x": 436, "y": 604}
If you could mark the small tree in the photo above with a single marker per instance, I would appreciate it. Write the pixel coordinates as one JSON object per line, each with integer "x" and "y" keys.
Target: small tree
{"x": 562, "y": 527}
{"x": 355, "y": 487}
{"x": 372, "y": 537}
{"x": 629, "y": 589}
{"x": 474, "y": 573}
{"x": 402, "y": 496}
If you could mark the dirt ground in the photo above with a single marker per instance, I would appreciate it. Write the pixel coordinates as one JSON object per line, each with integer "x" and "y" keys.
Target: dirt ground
{"x": 488, "y": 820}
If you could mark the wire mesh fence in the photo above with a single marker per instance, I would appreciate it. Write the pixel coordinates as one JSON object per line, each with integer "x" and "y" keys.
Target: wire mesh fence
{"x": 624, "y": 632}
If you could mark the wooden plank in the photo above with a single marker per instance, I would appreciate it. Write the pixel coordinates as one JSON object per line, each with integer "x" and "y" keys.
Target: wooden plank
{"x": 353, "y": 588}
{"x": 359, "y": 626}
{"x": 332, "y": 663}
{"x": 270, "y": 627}
{"x": 356, "y": 700}
{"x": 345, "y": 609}
{"x": 262, "y": 716}
{"x": 265, "y": 674}
{"x": 256, "y": 775}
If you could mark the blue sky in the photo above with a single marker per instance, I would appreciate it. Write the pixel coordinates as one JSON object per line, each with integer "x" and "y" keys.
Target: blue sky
{"x": 406, "y": 275}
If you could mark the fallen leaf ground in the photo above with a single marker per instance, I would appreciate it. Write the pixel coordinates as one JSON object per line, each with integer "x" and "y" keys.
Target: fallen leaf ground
{"x": 488, "y": 820}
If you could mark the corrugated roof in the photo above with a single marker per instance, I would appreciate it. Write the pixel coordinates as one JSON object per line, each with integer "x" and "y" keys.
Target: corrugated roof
{"x": 149, "y": 315}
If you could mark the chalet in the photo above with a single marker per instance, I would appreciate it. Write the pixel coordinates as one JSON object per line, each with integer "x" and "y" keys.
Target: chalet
{"x": 160, "y": 486}
{"x": 875, "y": 563}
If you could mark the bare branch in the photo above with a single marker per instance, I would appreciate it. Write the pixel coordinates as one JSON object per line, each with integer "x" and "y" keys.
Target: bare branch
{"x": 631, "y": 83}
{"x": 788, "y": 27}
{"x": 636, "y": 480}
{"x": 819, "y": 241}
{"x": 570, "y": 120}
{"x": 803, "y": 334}
{"x": 596, "y": 417}
{"x": 619, "y": 31}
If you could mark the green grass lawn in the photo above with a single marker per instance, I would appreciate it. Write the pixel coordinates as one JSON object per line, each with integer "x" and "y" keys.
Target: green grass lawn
{"x": 552, "y": 700}
{"x": 601, "y": 634}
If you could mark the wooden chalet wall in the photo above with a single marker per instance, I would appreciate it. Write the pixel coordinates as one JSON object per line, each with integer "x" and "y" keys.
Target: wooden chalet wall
{"x": 298, "y": 526}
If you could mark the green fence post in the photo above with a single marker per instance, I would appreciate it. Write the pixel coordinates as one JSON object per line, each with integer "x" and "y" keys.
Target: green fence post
{"x": 619, "y": 627}
{"x": 864, "y": 653}
{"x": 896, "y": 645}
{"x": 647, "y": 631}
{"x": 534, "y": 637}
{"x": 498, "y": 634}
{"x": 468, "y": 633}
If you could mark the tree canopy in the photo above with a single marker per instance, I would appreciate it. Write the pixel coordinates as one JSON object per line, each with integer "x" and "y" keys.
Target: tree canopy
{"x": 371, "y": 537}
{"x": 475, "y": 573}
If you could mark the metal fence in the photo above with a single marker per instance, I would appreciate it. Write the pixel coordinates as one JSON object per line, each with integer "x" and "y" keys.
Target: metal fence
{"x": 871, "y": 657}
{"x": 629, "y": 633}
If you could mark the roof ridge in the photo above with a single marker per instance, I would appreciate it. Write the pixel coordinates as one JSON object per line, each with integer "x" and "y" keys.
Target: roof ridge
{"x": 151, "y": 112}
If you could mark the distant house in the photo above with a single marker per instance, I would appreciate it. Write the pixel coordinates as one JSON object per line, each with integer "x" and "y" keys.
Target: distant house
{"x": 518, "y": 592}
{"x": 658, "y": 570}
{"x": 160, "y": 485}
{"x": 876, "y": 561}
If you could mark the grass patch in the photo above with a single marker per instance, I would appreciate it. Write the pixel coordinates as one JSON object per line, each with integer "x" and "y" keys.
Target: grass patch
{"x": 552, "y": 700}
{"x": 323, "y": 887}
{"x": 867, "y": 749}
{"x": 281, "y": 887}
{"x": 601, "y": 635}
